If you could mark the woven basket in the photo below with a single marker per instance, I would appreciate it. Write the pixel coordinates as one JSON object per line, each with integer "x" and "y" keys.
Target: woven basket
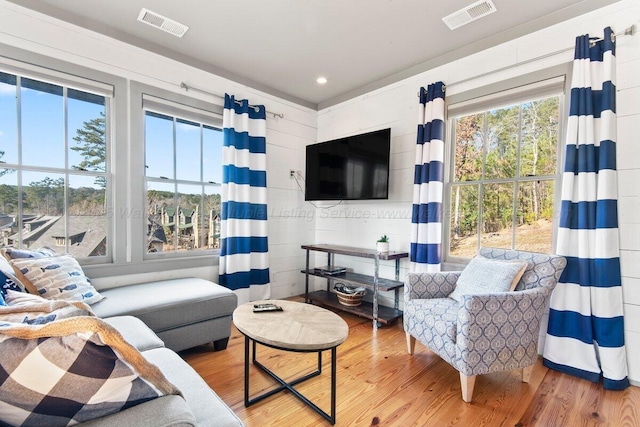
{"x": 350, "y": 299}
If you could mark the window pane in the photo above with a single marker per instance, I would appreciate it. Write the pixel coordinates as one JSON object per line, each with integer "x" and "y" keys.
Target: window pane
{"x": 160, "y": 217}
{"x": 468, "y": 146}
{"x": 42, "y": 124}
{"x": 502, "y": 139}
{"x": 43, "y": 208}
{"x": 8, "y": 207}
{"x": 539, "y": 137}
{"x": 87, "y": 236}
{"x": 8, "y": 119}
{"x": 189, "y": 217}
{"x": 87, "y": 138}
{"x": 158, "y": 145}
{"x": 212, "y": 158}
{"x": 188, "y": 157}
{"x": 464, "y": 221}
{"x": 497, "y": 215}
{"x": 212, "y": 207}
{"x": 534, "y": 231}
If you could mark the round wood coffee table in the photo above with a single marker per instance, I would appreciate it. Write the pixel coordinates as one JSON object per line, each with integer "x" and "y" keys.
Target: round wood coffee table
{"x": 299, "y": 327}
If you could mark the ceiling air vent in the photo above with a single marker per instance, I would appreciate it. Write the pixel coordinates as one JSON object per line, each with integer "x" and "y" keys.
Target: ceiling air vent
{"x": 469, "y": 14}
{"x": 162, "y": 22}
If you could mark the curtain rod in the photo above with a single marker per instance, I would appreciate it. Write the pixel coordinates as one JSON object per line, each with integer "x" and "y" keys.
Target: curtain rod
{"x": 187, "y": 88}
{"x": 627, "y": 32}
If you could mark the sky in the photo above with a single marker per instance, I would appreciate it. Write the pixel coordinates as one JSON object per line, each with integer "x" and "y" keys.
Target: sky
{"x": 43, "y": 138}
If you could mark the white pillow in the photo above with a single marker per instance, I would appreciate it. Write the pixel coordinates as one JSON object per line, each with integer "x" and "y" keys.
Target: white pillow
{"x": 56, "y": 277}
{"x": 483, "y": 276}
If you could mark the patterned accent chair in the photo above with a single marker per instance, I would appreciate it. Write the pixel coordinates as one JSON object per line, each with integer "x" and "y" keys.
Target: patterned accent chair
{"x": 483, "y": 333}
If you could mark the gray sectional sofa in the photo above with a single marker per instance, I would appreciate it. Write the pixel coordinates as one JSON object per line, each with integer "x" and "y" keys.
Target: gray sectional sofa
{"x": 159, "y": 318}
{"x": 200, "y": 405}
{"x": 184, "y": 312}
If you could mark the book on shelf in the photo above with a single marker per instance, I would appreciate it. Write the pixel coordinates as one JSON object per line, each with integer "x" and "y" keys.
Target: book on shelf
{"x": 330, "y": 270}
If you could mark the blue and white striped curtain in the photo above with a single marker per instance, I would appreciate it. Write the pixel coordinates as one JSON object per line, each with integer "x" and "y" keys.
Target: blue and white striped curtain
{"x": 244, "y": 252}
{"x": 426, "y": 216}
{"x": 585, "y": 335}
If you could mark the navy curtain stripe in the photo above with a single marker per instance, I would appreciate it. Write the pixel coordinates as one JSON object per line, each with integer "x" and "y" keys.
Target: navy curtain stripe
{"x": 244, "y": 176}
{"x": 576, "y": 372}
{"x": 431, "y": 252}
{"x": 243, "y": 210}
{"x": 428, "y": 172}
{"x": 256, "y": 112}
{"x": 255, "y": 144}
{"x": 596, "y": 272}
{"x": 601, "y": 100}
{"x": 570, "y": 324}
{"x": 589, "y": 215}
{"x": 244, "y": 245}
{"x": 429, "y": 213}
{"x": 426, "y": 217}
{"x": 580, "y": 158}
{"x": 240, "y": 279}
{"x": 585, "y": 333}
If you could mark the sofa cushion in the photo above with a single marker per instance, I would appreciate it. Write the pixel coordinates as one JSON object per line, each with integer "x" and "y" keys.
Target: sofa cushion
{"x": 135, "y": 332}
{"x": 55, "y": 277}
{"x": 168, "y": 304}
{"x": 207, "y": 406}
{"x": 483, "y": 276}
{"x": 70, "y": 371}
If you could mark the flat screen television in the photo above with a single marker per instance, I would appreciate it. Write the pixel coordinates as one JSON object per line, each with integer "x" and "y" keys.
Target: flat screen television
{"x": 351, "y": 168}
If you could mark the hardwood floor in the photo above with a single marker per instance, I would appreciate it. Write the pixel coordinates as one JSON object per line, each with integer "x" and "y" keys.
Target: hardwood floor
{"x": 380, "y": 384}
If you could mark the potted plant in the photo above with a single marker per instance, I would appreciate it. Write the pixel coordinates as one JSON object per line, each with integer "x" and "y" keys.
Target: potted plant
{"x": 382, "y": 245}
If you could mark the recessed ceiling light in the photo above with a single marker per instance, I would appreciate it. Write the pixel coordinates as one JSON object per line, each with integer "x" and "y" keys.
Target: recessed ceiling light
{"x": 321, "y": 80}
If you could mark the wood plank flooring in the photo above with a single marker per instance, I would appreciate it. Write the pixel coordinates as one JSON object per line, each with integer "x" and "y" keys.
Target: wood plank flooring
{"x": 380, "y": 384}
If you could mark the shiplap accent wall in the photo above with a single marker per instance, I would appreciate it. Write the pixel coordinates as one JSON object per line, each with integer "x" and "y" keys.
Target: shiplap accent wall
{"x": 395, "y": 106}
{"x": 286, "y": 137}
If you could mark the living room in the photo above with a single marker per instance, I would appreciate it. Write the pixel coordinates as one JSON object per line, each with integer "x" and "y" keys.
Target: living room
{"x": 31, "y": 37}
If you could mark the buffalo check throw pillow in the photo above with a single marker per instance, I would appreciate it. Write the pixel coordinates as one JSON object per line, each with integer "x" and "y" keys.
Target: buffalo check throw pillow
{"x": 70, "y": 371}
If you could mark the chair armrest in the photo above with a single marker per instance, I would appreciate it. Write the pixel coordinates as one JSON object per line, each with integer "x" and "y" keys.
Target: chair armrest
{"x": 505, "y": 320}
{"x": 430, "y": 285}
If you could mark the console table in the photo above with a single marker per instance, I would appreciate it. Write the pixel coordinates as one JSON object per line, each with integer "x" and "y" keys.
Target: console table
{"x": 379, "y": 314}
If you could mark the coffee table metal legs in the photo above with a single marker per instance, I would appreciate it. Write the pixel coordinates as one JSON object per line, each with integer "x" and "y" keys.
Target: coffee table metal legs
{"x": 284, "y": 385}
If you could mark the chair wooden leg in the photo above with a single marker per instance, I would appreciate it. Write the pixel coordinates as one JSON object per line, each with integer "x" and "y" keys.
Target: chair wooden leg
{"x": 411, "y": 343}
{"x": 467, "y": 383}
{"x": 526, "y": 374}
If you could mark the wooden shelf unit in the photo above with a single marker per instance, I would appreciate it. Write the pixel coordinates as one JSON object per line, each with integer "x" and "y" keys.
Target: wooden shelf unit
{"x": 379, "y": 314}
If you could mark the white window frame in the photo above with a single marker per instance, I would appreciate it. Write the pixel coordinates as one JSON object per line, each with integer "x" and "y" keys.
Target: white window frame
{"x": 148, "y": 98}
{"x": 67, "y": 80}
{"x": 536, "y": 85}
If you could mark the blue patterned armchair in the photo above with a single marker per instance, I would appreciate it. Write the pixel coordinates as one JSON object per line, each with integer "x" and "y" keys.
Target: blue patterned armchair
{"x": 483, "y": 333}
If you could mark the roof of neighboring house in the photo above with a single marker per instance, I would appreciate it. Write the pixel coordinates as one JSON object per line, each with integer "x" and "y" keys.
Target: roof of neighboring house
{"x": 39, "y": 224}
{"x": 93, "y": 227}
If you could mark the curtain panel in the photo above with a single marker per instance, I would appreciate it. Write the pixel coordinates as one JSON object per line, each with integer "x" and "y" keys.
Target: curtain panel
{"x": 585, "y": 334}
{"x": 426, "y": 216}
{"x": 244, "y": 251}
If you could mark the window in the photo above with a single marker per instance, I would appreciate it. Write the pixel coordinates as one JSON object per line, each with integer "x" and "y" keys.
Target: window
{"x": 183, "y": 172}
{"x": 502, "y": 186}
{"x": 54, "y": 164}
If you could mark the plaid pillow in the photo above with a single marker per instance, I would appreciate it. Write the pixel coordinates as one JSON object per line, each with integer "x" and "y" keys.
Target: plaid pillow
{"x": 71, "y": 371}
{"x": 56, "y": 277}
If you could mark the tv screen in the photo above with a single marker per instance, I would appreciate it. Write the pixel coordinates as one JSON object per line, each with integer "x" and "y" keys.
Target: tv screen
{"x": 351, "y": 168}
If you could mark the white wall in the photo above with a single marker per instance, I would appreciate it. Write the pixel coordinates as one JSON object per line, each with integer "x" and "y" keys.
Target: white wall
{"x": 396, "y": 106}
{"x": 286, "y": 137}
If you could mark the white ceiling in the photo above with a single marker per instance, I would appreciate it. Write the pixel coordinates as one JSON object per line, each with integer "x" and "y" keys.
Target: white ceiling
{"x": 282, "y": 46}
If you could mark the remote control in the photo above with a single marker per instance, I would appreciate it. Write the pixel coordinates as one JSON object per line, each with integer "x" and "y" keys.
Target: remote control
{"x": 266, "y": 308}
